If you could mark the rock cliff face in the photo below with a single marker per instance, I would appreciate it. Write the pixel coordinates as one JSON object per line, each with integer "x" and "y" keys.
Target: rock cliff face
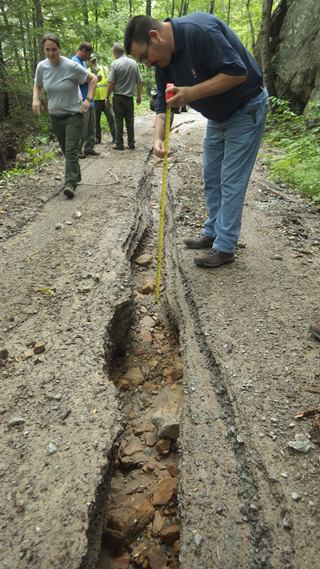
{"x": 296, "y": 47}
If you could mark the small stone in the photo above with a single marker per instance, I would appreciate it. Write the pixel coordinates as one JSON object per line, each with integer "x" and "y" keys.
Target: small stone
{"x": 28, "y": 354}
{"x": 197, "y": 538}
{"x": 134, "y": 376}
{"x": 157, "y": 523}
{"x": 163, "y": 447}
{"x": 301, "y": 443}
{"x": 58, "y": 226}
{"x": 277, "y": 258}
{"x": 4, "y": 353}
{"x": 77, "y": 214}
{"x": 39, "y": 347}
{"x": 123, "y": 385}
{"x": 148, "y": 287}
{"x": 157, "y": 558}
{"x": 165, "y": 491}
{"x": 121, "y": 562}
{"x": 295, "y": 496}
{"x": 287, "y": 524}
{"x": 170, "y": 534}
{"x": 144, "y": 260}
{"x": 15, "y": 421}
{"x": 52, "y": 448}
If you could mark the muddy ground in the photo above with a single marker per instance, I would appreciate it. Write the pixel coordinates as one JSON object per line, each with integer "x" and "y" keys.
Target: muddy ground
{"x": 247, "y": 498}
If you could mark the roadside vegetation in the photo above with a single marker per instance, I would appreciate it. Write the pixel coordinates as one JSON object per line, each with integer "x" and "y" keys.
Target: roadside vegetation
{"x": 293, "y": 143}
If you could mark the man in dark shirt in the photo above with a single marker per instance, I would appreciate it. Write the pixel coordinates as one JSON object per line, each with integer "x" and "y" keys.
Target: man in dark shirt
{"x": 213, "y": 73}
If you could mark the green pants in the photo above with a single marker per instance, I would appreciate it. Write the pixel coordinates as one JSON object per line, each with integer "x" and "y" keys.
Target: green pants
{"x": 123, "y": 110}
{"x": 68, "y": 130}
{"x": 99, "y": 108}
{"x": 88, "y": 137}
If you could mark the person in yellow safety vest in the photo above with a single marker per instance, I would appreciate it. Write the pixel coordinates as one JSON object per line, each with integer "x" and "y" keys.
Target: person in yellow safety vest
{"x": 100, "y": 94}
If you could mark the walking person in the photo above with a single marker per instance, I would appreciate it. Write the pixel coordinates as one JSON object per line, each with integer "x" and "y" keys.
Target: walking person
{"x": 88, "y": 138}
{"x": 100, "y": 94}
{"x": 124, "y": 82}
{"x": 60, "y": 78}
{"x": 213, "y": 73}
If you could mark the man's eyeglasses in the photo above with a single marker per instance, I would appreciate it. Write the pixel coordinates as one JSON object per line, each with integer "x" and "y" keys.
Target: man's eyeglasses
{"x": 144, "y": 57}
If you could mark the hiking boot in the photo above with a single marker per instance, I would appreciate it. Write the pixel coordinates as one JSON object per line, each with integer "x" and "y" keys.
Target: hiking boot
{"x": 213, "y": 259}
{"x": 131, "y": 146}
{"x": 98, "y": 141}
{"x": 92, "y": 153}
{"x": 69, "y": 192}
{"x": 315, "y": 330}
{"x": 204, "y": 242}
{"x": 117, "y": 147}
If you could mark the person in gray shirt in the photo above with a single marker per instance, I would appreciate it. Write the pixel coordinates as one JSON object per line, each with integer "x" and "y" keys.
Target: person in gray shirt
{"x": 124, "y": 81}
{"x": 61, "y": 79}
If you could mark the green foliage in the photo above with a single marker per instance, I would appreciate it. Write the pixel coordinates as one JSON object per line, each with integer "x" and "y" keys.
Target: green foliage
{"x": 37, "y": 151}
{"x": 293, "y": 149}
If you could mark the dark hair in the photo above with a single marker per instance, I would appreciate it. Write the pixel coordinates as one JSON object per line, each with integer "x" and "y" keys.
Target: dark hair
{"x": 138, "y": 30}
{"x": 86, "y": 46}
{"x": 51, "y": 37}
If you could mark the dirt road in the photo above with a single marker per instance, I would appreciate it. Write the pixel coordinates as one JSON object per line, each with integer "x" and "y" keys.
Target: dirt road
{"x": 247, "y": 498}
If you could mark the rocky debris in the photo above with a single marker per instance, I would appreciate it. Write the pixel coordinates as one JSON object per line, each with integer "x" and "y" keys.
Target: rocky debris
{"x": 301, "y": 443}
{"x": 126, "y": 519}
{"x": 39, "y": 347}
{"x": 141, "y": 527}
{"x": 4, "y": 353}
{"x": 144, "y": 260}
{"x": 165, "y": 491}
{"x": 134, "y": 376}
{"x": 167, "y": 421}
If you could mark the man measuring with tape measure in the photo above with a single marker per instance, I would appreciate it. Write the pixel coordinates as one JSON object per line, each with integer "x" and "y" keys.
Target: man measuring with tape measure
{"x": 213, "y": 73}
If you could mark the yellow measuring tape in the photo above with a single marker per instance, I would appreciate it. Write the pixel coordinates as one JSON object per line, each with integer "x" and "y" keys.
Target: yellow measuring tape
{"x": 163, "y": 192}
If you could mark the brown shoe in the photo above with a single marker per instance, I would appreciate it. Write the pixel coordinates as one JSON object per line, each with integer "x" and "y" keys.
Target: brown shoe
{"x": 69, "y": 192}
{"x": 315, "y": 330}
{"x": 204, "y": 242}
{"x": 213, "y": 259}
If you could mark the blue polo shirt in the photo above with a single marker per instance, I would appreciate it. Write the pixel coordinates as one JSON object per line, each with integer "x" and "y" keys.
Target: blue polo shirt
{"x": 83, "y": 88}
{"x": 204, "y": 47}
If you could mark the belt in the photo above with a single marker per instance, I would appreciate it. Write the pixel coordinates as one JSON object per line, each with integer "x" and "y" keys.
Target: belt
{"x": 248, "y": 98}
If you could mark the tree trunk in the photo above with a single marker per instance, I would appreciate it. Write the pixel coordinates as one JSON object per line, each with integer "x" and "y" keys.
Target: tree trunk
{"x": 85, "y": 12}
{"x": 265, "y": 46}
{"x": 229, "y": 12}
{"x": 148, "y": 7}
{"x": 253, "y": 41}
{"x": 39, "y": 21}
{"x": 211, "y": 7}
{"x": 9, "y": 36}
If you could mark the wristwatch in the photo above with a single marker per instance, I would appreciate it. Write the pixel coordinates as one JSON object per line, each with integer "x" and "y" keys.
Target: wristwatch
{"x": 88, "y": 99}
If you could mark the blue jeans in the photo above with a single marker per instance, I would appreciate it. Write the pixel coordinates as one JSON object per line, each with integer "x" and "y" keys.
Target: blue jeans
{"x": 230, "y": 149}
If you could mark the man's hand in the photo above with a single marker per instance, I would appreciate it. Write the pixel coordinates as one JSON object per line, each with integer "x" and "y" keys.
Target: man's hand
{"x": 158, "y": 148}
{"x": 138, "y": 99}
{"x": 107, "y": 103}
{"x": 182, "y": 96}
